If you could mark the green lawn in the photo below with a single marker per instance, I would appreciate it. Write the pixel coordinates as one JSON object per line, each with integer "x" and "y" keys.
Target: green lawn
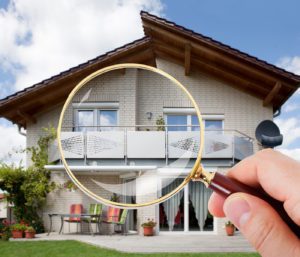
{"x": 77, "y": 249}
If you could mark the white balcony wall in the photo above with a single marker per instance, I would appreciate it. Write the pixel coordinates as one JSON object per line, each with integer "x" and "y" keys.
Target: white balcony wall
{"x": 150, "y": 145}
{"x": 146, "y": 144}
{"x": 72, "y": 145}
{"x": 183, "y": 144}
{"x": 105, "y": 144}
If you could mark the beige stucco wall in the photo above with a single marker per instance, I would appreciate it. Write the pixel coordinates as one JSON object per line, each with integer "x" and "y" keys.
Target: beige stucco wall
{"x": 241, "y": 112}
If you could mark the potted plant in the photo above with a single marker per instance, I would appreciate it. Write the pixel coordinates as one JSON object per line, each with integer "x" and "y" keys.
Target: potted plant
{"x": 149, "y": 227}
{"x": 29, "y": 232}
{"x": 115, "y": 198}
{"x": 5, "y": 230}
{"x": 230, "y": 228}
{"x": 160, "y": 123}
{"x": 17, "y": 230}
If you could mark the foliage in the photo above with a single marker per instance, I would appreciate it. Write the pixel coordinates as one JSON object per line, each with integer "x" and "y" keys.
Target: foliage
{"x": 160, "y": 122}
{"x": 150, "y": 223}
{"x": 115, "y": 198}
{"x": 229, "y": 224}
{"x": 18, "y": 227}
{"x": 27, "y": 189}
{"x": 5, "y": 230}
{"x": 69, "y": 185}
{"x": 29, "y": 229}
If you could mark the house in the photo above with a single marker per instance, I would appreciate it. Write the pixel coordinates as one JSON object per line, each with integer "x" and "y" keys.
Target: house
{"x": 4, "y": 209}
{"x": 234, "y": 90}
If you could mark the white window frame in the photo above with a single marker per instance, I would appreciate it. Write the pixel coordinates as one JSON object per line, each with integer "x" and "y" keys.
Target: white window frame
{"x": 96, "y": 108}
{"x": 189, "y": 112}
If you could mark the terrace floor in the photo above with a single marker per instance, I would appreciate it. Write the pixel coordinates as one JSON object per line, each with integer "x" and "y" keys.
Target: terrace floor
{"x": 161, "y": 243}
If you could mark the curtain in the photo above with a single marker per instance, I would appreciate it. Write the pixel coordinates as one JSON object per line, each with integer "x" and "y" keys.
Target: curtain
{"x": 128, "y": 193}
{"x": 199, "y": 195}
{"x": 171, "y": 206}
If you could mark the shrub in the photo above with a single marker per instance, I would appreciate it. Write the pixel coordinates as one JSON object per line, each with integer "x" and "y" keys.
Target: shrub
{"x": 18, "y": 227}
{"x": 30, "y": 229}
{"x": 27, "y": 188}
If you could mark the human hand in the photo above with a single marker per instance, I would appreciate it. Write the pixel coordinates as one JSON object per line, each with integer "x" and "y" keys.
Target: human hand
{"x": 279, "y": 176}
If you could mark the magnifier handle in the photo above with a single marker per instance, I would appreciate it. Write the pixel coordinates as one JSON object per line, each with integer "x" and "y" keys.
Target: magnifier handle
{"x": 225, "y": 186}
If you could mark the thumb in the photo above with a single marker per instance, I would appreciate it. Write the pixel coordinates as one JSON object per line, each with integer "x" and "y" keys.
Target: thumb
{"x": 261, "y": 225}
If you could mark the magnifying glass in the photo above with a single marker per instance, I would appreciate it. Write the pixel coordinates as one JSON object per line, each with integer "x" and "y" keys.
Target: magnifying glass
{"x": 131, "y": 135}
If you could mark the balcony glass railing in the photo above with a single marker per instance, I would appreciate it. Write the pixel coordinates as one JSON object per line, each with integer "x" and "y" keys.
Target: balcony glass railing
{"x": 149, "y": 142}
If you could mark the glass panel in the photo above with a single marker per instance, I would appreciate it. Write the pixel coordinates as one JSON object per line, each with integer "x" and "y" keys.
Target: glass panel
{"x": 177, "y": 120}
{"x": 199, "y": 217}
{"x": 108, "y": 118}
{"x": 214, "y": 126}
{"x": 195, "y": 122}
{"x": 171, "y": 212}
{"x": 85, "y": 118}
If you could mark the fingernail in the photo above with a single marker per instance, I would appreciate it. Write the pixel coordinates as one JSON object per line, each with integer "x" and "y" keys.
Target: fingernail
{"x": 237, "y": 210}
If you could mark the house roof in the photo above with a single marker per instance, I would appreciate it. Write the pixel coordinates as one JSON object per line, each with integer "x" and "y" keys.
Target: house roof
{"x": 167, "y": 40}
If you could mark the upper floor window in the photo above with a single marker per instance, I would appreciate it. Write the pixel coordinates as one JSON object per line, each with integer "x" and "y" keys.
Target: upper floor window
{"x": 93, "y": 119}
{"x": 189, "y": 122}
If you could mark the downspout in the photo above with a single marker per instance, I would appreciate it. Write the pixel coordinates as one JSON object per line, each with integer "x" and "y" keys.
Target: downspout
{"x": 277, "y": 113}
{"x": 20, "y": 131}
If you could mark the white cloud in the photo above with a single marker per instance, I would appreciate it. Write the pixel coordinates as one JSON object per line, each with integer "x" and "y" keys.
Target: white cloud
{"x": 293, "y": 153}
{"x": 290, "y": 107}
{"x": 40, "y": 39}
{"x": 11, "y": 142}
{"x": 291, "y": 64}
{"x": 290, "y": 129}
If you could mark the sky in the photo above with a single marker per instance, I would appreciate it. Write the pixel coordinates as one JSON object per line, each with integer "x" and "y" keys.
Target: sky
{"x": 39, "y": 39}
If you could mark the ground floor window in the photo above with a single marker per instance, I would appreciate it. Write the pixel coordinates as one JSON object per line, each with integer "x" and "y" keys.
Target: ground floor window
{"x": 187, "y": 210}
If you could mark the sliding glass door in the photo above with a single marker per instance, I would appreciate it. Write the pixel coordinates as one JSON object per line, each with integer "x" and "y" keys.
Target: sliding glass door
{"x": 187, "y": 210}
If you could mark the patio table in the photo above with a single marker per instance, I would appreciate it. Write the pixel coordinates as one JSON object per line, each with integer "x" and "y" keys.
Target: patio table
{"x": 81, "y": 216}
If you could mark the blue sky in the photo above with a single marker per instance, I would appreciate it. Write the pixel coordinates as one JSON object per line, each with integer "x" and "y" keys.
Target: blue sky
{"x": 39, "y": 39}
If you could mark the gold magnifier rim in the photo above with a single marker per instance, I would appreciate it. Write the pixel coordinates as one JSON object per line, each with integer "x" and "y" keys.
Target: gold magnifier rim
{"x": 89, "y": 193}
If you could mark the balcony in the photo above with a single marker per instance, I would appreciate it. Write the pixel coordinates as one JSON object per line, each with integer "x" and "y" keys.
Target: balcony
{"x": 126, "y": 144}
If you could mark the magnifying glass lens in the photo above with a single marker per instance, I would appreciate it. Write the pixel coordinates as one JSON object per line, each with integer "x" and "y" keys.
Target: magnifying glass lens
{"x": 128, "y": 135}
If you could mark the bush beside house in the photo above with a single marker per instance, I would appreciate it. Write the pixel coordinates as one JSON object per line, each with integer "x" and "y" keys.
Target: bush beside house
{"x": 27, "y": 188}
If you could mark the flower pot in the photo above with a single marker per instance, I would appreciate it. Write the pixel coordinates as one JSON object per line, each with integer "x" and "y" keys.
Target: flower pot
{"x": 230, "y": 230}
{"x": 29, "y": 234}
{"x": 148, "y": 231}
{"x": 17, "y": 233}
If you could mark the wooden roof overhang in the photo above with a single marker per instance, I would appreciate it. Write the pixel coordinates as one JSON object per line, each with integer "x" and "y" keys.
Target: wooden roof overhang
{"x": 197, "y": 52}
{"x": 23, "y": 106}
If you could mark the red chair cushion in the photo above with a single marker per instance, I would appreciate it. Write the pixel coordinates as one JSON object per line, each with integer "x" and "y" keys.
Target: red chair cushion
{"x": 75, "y": 209}
{"x": 113, "y": 214}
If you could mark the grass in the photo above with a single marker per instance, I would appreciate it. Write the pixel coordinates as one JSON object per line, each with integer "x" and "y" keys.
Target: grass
{"x": 75, "y": 248}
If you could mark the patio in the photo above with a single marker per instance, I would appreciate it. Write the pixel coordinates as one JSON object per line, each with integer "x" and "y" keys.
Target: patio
{"x": 158, "y": 244}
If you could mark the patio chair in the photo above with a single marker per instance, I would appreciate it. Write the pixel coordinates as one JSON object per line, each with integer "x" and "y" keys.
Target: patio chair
{"x": 75, "y": 209}
{"x": 95, "y": 209}
{"x": 117, "y": 216}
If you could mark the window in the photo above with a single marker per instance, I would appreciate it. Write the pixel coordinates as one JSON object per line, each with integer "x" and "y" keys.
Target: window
{"x": 85, "y": 120}
{"x": 213, "y": 126}
{"x": 107, "y": 118}
{"x": 190, "y": 122}
{"x": 176, "y": 120}
{"x": 94, "y": 119}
